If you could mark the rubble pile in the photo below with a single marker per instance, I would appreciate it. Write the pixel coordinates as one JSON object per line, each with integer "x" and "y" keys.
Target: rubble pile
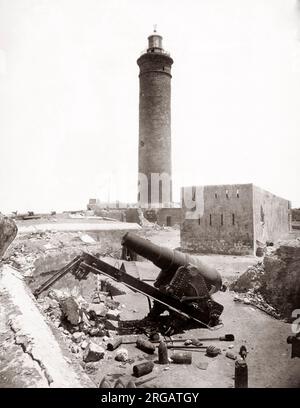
{"x": 91, "y": 332}
{"x": 274, "y": 283}
{"x": 282, "y": 277}
{"x": 257, "y": 300}
{"x": 252, "y": 279}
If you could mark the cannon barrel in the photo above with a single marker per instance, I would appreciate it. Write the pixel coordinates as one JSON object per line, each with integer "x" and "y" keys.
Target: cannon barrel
{"x": 169, "y": 260}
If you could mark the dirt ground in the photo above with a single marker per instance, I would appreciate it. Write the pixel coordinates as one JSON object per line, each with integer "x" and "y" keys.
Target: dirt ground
{"x": 269, "y": 361}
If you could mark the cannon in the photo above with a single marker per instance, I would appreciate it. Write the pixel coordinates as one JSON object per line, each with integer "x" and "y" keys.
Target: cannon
{"x": 182, "y": 276}
{"x": 169, "y": 261}
{"x": 183, "y": 287}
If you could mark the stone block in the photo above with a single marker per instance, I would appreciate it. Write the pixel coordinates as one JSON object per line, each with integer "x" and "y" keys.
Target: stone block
{"x": 93, "y": 352}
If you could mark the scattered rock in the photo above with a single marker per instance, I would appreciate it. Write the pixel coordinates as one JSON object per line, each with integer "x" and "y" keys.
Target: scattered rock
{"x": 50, "y": 246}
{"x": 85, "y": 320}
{"x": 84, "y": 344}
{"x": 57, "y": 294}
{"x": 97, "y": 332}
{"x": 112, "y": 304}
{"x": 251, "y": 279}
{"x": 202, "y": 365}
{"x": 77, "y": 337}
{"x": 98, "y": 308}
{"x": 53, "y": 304}
{"x": 93, "y": 352}
{"x": 231, "y": 355}
{"x": 71, "y": 310}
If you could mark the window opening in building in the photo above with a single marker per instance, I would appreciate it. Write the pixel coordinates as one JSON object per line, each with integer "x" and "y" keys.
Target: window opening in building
{"x": 222, "y": 220}
{"x": 233, "y": 219}
{"x": 262, "y": 214}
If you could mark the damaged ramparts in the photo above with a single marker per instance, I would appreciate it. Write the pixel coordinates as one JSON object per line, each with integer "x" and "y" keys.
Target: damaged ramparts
{"x": 29, "y": 343}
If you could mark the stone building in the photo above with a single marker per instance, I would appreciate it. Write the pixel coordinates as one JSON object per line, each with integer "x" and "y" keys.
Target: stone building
{"x": 232, "y": 219}
{"x": 296, "y": 214}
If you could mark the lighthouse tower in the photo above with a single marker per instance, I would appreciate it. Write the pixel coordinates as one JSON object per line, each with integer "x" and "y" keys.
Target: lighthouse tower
{"x": 155, "y": 170}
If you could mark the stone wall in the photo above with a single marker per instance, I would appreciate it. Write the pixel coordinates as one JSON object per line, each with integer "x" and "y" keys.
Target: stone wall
{"x": 222, "y": 222}
{"x": 164, "y": 216}
{"x": 113, "y": 213}
{"x": 282, "y": 278}
{"x": 271, "y": 216}
{"x": 170, "y": 216}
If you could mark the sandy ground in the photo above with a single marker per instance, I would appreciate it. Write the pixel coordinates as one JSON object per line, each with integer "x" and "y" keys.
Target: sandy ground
{"x": 269, "y": 362}
{"x": 269, "y": 359}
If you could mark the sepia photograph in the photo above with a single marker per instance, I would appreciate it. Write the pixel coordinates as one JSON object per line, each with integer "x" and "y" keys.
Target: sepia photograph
{"x": 149, "y": 197}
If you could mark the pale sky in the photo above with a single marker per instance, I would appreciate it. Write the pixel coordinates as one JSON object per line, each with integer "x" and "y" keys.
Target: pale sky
{"x": 69, "y": 97}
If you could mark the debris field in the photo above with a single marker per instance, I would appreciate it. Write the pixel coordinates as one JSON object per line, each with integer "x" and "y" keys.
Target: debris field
{"x": 102, "y": 328}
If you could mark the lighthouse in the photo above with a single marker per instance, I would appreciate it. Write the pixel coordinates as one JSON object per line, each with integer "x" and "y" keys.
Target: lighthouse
{"x": 155, "y": 167}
